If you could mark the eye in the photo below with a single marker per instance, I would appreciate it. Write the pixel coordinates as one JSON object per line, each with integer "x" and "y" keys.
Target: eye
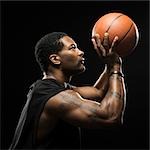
{"x": 73, "y": 46}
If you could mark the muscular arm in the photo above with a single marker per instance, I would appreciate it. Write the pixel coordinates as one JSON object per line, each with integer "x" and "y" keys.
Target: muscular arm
{"x": 112, "y": 62}
{"x": 70, "y": 106}
{"x": 98, "y": 90}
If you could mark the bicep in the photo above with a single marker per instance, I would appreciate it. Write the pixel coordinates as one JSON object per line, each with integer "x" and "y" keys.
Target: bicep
{"x": 89, "y": 92}
{"x": 71, "y": 107}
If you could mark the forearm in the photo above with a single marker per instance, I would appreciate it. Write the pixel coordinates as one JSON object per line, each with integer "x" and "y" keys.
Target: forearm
{"x": 102, "y": 83}
{"x": 98, "y": 91}
{"x": 114, "y": 102}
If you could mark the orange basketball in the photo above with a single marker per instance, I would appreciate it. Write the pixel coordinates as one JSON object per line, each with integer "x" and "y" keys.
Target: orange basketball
{"x": 118, "y": 24}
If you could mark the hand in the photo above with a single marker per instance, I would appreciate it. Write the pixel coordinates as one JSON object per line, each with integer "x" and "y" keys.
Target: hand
{"x": 105, "y": 51}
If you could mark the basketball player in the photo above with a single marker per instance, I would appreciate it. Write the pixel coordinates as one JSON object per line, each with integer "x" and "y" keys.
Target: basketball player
{"x": 55, "y": 110}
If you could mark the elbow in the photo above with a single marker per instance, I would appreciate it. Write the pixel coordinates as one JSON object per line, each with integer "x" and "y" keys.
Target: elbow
{"x": 116, "y": 117}
{"x": 116, "y": 120}
{"x": 113, "y": 121}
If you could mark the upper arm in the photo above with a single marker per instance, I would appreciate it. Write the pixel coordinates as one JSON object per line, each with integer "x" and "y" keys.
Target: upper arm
{"x": 89, "y": 92}
{"x": 71, "y": 107}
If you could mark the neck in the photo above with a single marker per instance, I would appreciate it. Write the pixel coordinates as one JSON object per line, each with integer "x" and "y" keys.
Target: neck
{"x": 57, "y": 75}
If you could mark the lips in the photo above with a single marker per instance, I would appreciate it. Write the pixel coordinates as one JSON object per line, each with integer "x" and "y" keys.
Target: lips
{"x": 82, "y": 61}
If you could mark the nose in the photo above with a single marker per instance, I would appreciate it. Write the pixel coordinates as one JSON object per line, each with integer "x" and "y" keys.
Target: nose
{"x": 81, "y": 53}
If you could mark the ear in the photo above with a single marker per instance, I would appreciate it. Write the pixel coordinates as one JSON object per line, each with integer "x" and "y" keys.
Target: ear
{"x": 55, "y": 59}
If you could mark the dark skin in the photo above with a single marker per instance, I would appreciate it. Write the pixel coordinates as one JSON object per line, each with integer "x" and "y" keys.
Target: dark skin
{"x": 92, "y": 106}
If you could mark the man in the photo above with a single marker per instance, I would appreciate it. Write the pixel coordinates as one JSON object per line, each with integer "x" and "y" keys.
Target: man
{"x": 55, "y": 109}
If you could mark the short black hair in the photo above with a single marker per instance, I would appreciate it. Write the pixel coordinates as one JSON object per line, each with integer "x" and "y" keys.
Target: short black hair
{"x": 47, "y": 45}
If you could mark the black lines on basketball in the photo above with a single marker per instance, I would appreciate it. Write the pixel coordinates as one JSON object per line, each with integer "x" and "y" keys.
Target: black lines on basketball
{"x": 121, "y": 25}
{"x": 113, "y": 22}
{"x": 125, "y": 35}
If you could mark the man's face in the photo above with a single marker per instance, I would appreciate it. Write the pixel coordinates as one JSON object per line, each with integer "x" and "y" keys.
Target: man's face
{"x": 72, "y": 60}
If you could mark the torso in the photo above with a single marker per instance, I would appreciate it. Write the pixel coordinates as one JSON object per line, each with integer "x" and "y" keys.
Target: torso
{"x": 43, "y": 129}
{"x": 47, "y": 122}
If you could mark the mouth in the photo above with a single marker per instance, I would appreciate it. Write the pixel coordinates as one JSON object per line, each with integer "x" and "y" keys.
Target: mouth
{"x": 82, "y": 61}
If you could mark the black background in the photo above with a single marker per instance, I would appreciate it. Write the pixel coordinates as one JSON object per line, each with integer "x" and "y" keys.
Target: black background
{"x": 23, "y": 23}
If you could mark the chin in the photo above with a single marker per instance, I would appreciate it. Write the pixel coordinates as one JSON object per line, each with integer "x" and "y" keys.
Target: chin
{"x": 75, "y": 71}
{"x": 81, "y": 70}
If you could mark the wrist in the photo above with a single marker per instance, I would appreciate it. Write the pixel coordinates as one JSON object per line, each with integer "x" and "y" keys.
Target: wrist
{"x": 112, "y": 59}
{"x": 117, "y": 72}
{"x": 107, "y": 69}
{"x": 112, "y": 68}
{"x": 117, "y": 67}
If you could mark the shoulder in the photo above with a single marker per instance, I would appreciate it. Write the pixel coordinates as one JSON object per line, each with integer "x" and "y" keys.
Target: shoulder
{"x": 66, "y": 95}
{"x": 47, "y": 87}
{"x": 67, "y": 98}
{"x": 49, "y": 83}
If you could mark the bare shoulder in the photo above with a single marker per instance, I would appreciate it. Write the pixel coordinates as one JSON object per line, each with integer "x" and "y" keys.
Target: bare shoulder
{"x": 71, "y": 107}
{"x": 67, "y": 99}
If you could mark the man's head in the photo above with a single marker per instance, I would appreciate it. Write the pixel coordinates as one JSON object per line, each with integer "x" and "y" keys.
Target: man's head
{"x": 47, "y": 45}
{"x": 58, "y": 50}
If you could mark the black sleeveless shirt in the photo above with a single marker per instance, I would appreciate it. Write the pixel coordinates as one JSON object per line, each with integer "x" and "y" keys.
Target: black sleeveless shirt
{"x": 63, "y": 136}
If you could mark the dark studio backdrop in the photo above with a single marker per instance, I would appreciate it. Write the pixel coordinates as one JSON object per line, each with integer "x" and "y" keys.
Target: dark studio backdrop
{"x": 23, "y": 23}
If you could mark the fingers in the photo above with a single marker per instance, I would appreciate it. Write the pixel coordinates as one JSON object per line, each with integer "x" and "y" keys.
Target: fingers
{"x": 97, "y": 45}
{"x": 106, "y": 41}
{"x": 113, "y": 44}
{"x": 103, "y": 49}
{"x": 94, "y": 43}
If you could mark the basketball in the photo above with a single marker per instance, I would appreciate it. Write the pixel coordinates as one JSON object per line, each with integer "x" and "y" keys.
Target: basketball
{"x": 121, "y": 25}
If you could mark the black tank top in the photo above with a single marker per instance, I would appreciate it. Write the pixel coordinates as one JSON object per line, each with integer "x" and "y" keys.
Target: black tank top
{"x": 63, "y": 136}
